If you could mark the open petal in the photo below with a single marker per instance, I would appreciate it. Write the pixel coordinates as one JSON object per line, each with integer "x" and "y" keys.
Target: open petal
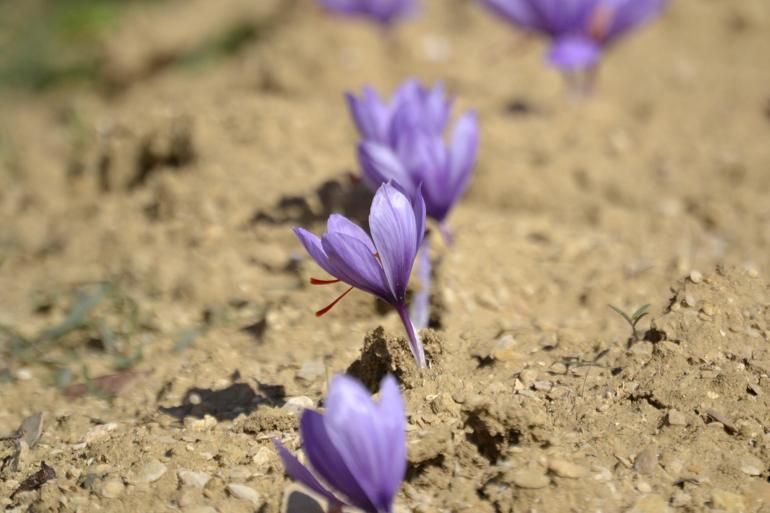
{"x": 370, "y": 114}
{"x": 325, "y": 458}
{"x": 313, "y": 246}
{"x": 462, "y": 154}
{"x": 394, "y": 230}
{"x": 362, "y": 439}
{"x": 354, "y": 263}
{"x": 392, "y": 419}
{"x": 381, "y": 165}
{"x": 300, "y": 473}
{"x": 418, "y": 204}
{"x": 574, "y": 53}
{"x": 341, "y": 224}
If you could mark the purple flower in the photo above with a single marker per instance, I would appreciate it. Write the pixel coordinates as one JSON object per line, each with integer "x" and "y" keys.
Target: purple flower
{"x": 357, "y": 448}
{"x": 380, "y": 264}
{"x": 412, "y": 105}
{"x": 384, "y": 12}
{"x": 423, "y": 160}
{"x": 580, "y": 30}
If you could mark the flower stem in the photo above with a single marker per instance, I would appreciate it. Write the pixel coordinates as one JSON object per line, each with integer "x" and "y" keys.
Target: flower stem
{"x": 414, "y": 340}
{"x": 420, "y": 311}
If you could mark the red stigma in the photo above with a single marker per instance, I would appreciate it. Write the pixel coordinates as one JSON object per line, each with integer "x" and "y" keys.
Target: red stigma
{"x": 316, "y": 281}
{"x": 331, "y": 305}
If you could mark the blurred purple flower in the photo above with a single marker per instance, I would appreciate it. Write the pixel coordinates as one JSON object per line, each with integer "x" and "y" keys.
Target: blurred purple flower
{"x": 357, "y": 448}
{"x": 380, "y": 264}
{"x": 580, "y": 30}
{"x": 413, "y": 105}
{"x": 423, "y": 160}
{"x": 384, "y": 12}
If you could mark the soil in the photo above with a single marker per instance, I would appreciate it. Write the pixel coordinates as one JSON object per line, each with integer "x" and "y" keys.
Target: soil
{"x": 146, "y": 252}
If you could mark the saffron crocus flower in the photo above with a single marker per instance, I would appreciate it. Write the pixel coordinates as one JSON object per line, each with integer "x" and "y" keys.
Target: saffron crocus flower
{"x": 356, "y": 448}
{"x": 412, "y": 105}
{"x": 384, "y": 12}
{"x": 580, "y": 30}
{"x": 424, "y": 161}
{"x": 380, "y": 264}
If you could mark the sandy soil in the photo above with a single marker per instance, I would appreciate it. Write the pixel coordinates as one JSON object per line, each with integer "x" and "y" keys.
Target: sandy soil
{"x": 145, "y": 236}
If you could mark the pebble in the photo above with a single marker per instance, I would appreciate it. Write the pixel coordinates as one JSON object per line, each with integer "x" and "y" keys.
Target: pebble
{"x": 727, "y": 501}
{"x": 298, "y": 404}
{"x": 544, "y": 386}
{"x": 200, "y": 425}
{"x": 193, "y": 479}
{"x": 676, "y": 418}
{"x": 643, "y": 486}
{"x": 752, "y": 466}
{"x": 564, "y": 468}
{"x": 696, "y": 276}
{"x": 646, "y": 461}
{"x": 245, "y": 493}
{"x": 530, "y": 479}
{"x": 528, "y": 376}
{"x": 99, "y": 432}
{"x": 310, "y": 371}
{"x": 112, "y": 488}
{"x": 559, "y": 368}
{"x": 263, "y": 457}
{"x": 689, "y": 300}
{"x": 151, "y": 472}
{"x": 680, "y": 499}
{"x": 650, "y": 504}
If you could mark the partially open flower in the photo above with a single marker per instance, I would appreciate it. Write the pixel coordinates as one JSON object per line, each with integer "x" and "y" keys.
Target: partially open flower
{"x": 356, "y": 449}
{"x": 384, "y": 12}
{"x": 380, "y": 264}
{"x": 579, "y": 30}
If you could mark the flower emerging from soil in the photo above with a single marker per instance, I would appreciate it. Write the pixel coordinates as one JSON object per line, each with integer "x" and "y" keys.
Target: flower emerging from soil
{"x": 357, "y": 448}
{"x": 380, "y": 264}
{"x": 580, "y": 30}
{"x": 404, "y": 142}
{"x": 384, "y": 12}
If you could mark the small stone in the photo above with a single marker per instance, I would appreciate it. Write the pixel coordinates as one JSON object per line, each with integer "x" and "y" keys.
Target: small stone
{"x": 193, "y": 479}
{"x": 564, "y": 468}
{"x": 23, "y": 374}
{"x": 643, "y": 486}
{"x": 727, "y": 501}
{"x": 696, "y": 277}
{"x": 298, "y": 404}
{"x": 312, "y": 370}
{"x": 151, "y": 472}
{"x": 528, "y": 376}
{"x": 676, "y": 418}
{"x": 194, "y": 399}
{"x": 544, "y": 386}
{"x": 200, "y": 425}
{"x": 650, "y": 504}
{"x": 752, "y": 466}
{"x": 708, "y": 309}
{"x": 646, "y": 461}
{"x": 530, "y": 479}
{"x": 558, "y": 368}
{"x": 245, "y": 493}
{"x": 263, "y": 457}
{"x": 112, "y": 488}
{"x": 689, "y": 300}
{"x": 99, "y": 432}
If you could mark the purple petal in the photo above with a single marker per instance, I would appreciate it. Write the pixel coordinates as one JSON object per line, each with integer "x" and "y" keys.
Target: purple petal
{"x": 574, "y": 53}
{"x": 327, "y": 461}
{"x": 381, "y": 165}
{"x": 313, "y": 246}
{"x": 418, "y": 205}
{"x": 394, "y": 230}
{"x": 367, "y": 441}
{"x": 626, "y": 15}
{"x": 355, "y": 264}
{"x": 299, "y": 472}
{"x": 392, "y": 420}
{"x": 369, "y": 114}
{"x": 341, "y": 224}
{"x": 462, "y": 154}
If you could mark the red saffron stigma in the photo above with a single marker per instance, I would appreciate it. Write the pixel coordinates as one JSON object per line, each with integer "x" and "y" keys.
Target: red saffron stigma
{"x": 316, "y": 281}
{"x": 331, "y": 305}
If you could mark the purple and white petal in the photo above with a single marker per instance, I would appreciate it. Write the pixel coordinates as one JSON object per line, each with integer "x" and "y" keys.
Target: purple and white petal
{"x": 355, "y": 264}
{"x": 300, "y": 472}
{"x": 313, "y": 246}
{"x": 462, "y": 153}
{"x": 340, "y": 224}
{"x": 370, "y": 114}
{"x": 392, "y": 419}
{"x": 626, "y": 15}
{"x": 381, "y": 165}
{"x": 394, "y": 231}
{"x": 327, "y": 461}
{"x": 574, "y": 53}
